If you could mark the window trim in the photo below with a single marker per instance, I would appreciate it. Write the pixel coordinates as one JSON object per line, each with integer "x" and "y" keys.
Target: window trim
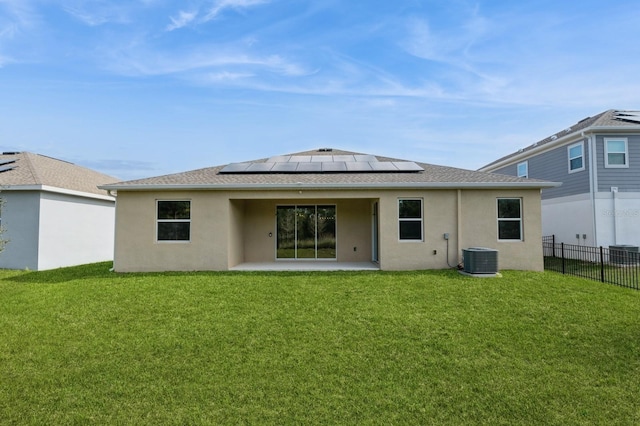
{"x": 569, "y": 158}
{"x": 158, "y": 221}
{"x": 405, "y": 219}
{"x": 509, "y": 219}
{"x": 626, "y": 153}
{"x": 526, "y": 169}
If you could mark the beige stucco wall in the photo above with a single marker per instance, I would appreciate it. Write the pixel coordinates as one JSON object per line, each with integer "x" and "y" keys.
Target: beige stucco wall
{"x": 228, "y": 228}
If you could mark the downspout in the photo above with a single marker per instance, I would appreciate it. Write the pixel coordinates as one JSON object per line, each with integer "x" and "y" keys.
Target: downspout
{"x": 593, "y": 183}
{"x": 459, "y": 227}
{"x": 614, "y": 194}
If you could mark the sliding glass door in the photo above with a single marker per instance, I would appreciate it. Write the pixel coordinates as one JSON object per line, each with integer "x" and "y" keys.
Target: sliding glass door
{"x": 306, "y": 232}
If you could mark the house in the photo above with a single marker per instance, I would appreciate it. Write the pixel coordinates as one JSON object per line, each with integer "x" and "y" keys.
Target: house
{"x": 53, "y": 213}
{"x": 325, "y": 208}
{"x": 598, "y": 162}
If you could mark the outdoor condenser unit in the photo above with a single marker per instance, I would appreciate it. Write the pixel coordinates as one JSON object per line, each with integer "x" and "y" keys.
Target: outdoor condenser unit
{"x": 480, "y": 260}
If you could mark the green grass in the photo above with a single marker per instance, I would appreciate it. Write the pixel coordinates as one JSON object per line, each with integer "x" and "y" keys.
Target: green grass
{"x": 83, "y": 345}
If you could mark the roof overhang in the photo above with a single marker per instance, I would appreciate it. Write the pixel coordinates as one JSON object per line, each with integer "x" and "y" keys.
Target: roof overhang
{"x": 53, "y": 189}
{"x": 335, "y": 186}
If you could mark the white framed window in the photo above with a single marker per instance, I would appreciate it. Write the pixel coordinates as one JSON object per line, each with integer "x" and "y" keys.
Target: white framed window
{"x": 410, "y": 216}
{"x": 173, "y": 220}
{"x": 523, "y": 169}
{"x": 510, "y": 219}
{"x": 616, "y": 152}
{"x": 576, "y": 157}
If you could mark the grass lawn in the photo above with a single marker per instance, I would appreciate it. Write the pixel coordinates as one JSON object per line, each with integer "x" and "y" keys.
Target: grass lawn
{"x": 83, "y": 345}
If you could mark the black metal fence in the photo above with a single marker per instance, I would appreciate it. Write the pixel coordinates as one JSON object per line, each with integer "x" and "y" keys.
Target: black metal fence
{"x": 614, "y": 265}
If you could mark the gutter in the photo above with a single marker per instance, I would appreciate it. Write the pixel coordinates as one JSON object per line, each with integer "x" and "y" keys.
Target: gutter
{"x": 56, "y": 190}
{"x": 341, "y": 186}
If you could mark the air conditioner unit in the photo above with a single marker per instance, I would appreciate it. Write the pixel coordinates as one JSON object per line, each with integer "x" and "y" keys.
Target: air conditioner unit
{"x": 624, "y": 254}
{"x": 480, "y": 260}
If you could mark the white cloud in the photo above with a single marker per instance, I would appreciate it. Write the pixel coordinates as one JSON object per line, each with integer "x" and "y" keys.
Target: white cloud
{"x": 183, "y": 19}
{"x": 221, "y": 5}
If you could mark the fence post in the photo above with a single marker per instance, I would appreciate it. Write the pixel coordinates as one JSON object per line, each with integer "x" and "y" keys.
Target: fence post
{"x": 562, "y": 253}
{"x": 601, "y": 264}
{"x": 553, "y": 240}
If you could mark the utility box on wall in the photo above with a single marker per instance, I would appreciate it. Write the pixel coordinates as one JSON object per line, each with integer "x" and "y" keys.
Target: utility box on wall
{"x": 480, "y": 260}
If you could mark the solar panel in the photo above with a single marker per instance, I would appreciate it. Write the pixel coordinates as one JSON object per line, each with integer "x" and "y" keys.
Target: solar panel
{"x": 407, "y": 166}
{"x": 7, "y": 168}
{"x": 334, "y": 166}
{"x": 367, "y": 158}
{"x": 313, "y": 164}
{"x": 7, "y": 161}
{"x": 383, "y": 166}
{"x": 260, "y": 167}
{"x": 288, "y": 167}
{"x": 235, "y": 168}
{"x": 358, "y": 166}
{"x": 344, "y": 158}
{"x": 309, "y": 167}
{"x": 300, "y": 158}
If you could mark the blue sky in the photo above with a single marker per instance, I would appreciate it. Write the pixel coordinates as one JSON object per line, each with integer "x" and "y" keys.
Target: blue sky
{"x": 139, "y": 88}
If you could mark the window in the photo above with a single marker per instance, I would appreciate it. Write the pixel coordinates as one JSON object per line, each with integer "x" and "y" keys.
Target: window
{"x": 174, "y": 220}
{"x": 576, "y": 157}
{"x": 523, "y": 169}
{"x": 616, "y": 152}
{"x": 410, "y": 219}
{"x": 509, "y": 219}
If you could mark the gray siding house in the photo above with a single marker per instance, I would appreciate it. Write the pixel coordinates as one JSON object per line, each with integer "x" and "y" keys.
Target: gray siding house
{"x": 598, "y": 162}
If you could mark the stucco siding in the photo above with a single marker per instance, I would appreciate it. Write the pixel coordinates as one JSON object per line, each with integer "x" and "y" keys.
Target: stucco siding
{"x": 74, "y": 230}
{"x": 232, "y": 227}
{"x": 20, "y": 220}
{"x": 480, "y": 227}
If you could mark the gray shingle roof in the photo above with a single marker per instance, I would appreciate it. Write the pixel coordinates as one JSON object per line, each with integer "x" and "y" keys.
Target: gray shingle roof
{"x": 29, "y": 169}
{"x": 431, "y": 176}
{"x": 613, "y": 119}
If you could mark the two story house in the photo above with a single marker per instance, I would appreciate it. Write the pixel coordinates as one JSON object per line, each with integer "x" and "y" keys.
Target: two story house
{"x": 597, "y": 160}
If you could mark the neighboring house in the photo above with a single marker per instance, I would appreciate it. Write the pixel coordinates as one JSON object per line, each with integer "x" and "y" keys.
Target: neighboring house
{"x": 598, "y": 162}
{"x": 53, "y": 213}
{"x": 329, "y": 207}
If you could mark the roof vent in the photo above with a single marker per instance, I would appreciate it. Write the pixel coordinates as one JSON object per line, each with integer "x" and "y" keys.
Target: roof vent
{"x": 553, "y": 138}
{"x": 325, "y": 150}
{"x": 568, "y": 129}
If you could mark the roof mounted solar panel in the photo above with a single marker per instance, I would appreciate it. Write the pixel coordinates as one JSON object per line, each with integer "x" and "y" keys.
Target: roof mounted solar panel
{"x": 287, "y": 167}
{"x": 334, "y": 166}
{"x": 300, "y": 158}
{"x": 279, "y": 159}
{"x": 383, "y": 166}
{"x": 407, "y": 166}
{"x": 235, "y": 168}
{"x": 358, "y": 166}
{"x": 7, "y": 168}
{"x": 260, "y": 167}
{"x": 310, "y": 167}
{"x": 367, "y": 158}
{"x": 321, "y": 158}
{"x": 7, "y": 161}
{"x": 343, "y": 158}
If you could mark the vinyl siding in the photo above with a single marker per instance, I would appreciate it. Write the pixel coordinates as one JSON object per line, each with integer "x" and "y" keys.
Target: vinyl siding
{"x": 553, "y": 166}
{"x": 625, "y": 179}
